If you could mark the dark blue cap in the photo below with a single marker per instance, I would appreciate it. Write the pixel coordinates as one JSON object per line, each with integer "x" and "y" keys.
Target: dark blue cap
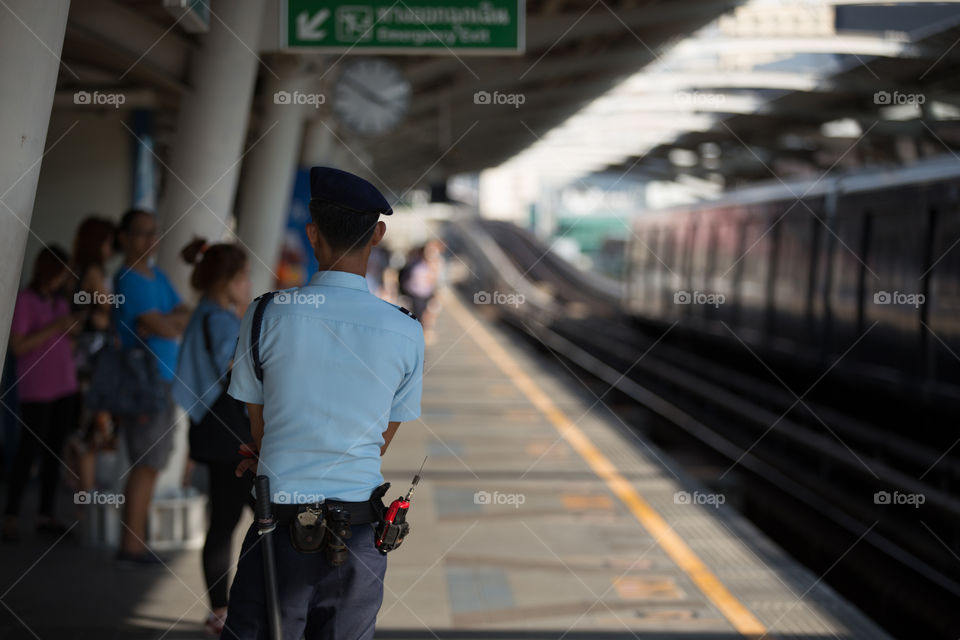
{"x": 346, "y": 190}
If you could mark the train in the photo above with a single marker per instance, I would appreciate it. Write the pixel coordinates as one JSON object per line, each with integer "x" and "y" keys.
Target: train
{"x": 859, "y": 272}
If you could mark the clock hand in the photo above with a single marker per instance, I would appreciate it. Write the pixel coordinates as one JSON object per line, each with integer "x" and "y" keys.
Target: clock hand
{"x": 364, "y": 91}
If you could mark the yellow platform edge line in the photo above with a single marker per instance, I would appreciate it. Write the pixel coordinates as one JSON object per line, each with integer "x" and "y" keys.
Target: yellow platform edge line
{"x": 669, "y": 540}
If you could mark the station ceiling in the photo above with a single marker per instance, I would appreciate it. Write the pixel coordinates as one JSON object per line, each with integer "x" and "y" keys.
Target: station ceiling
{"x": 886, "y": 106}
{"x": 772, "y": 119}
{"x": 575, "y": 51}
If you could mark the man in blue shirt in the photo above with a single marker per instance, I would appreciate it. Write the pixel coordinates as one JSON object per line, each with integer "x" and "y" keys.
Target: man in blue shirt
{"x": 339, "y": 370}
{"x": 148, "y": 316}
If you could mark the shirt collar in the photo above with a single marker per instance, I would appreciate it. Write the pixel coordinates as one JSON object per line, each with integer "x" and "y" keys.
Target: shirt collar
{"x": 339, "y": 279}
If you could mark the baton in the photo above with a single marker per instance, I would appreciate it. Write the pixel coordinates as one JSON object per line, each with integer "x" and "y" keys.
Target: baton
{"x": 265, "y": 526}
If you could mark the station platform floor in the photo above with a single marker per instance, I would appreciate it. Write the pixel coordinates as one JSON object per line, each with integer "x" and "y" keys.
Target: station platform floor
{"x": 540, "y": 515}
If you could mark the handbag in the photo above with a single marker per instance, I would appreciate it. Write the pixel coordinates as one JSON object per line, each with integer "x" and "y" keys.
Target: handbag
{"x": 216, "y": 437}
{"x": 126, "y": 382}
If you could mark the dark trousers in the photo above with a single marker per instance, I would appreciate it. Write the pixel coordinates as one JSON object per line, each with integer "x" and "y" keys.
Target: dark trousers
{"x": 317, "y": 600}
{"x": 228, "y": 494}
{"x": 47, "y": 426}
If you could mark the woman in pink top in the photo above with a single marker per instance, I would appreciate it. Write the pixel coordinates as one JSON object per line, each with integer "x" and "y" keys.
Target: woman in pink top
{"x": 46, "y": 384}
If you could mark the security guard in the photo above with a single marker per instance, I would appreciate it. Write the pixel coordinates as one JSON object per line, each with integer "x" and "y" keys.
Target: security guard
{"x": 327, "y": 380}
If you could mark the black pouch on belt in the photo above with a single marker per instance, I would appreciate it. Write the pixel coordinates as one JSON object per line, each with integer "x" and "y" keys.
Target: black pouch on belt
{"x": 338, "y": 532}
{"x": 307, "y": 530}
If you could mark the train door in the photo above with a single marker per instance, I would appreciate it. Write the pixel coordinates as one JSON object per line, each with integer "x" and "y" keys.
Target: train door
{"x": 635, "y": 267}
{"x": 890, "y": 293}
{"x": 727, "y": 252}
{"x": 667, "y": 271}
{"x": 653, "y": 305}
{"x": 942, "y": 333}
{"x": 757, "y": 243}
{"x": 793, "y": 274}
{"x": 701, "y": 263}
{"x": 846, "y": 231}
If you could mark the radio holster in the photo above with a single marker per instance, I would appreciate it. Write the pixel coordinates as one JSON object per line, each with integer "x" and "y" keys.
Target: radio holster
{"x": 390, "y": 531}
{"x": 376, "y": 501}
{"x": 393, "y": 534}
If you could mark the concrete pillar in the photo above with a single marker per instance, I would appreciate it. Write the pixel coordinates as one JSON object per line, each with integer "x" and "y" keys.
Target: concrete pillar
{"x": 318, "y": 142}
{"x": 201, "y": 182}
{"x": 269, "y": 170}
{"x": 31, "y": 39}
{"x": 325, "y": 144}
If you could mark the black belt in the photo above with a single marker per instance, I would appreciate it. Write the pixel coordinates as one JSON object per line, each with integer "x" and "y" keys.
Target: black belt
{"x": 360, "y": 512}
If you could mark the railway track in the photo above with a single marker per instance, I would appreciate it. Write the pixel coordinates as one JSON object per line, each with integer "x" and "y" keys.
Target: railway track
{"x": 811, "y": 475}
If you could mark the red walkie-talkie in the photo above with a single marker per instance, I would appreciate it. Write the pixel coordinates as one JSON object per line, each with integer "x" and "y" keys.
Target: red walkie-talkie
{"x": 394, "y": 526}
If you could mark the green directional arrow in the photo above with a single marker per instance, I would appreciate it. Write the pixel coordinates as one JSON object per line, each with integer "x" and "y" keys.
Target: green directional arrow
{"x": 308, "y": 28}
{"x": 387, "y": 26}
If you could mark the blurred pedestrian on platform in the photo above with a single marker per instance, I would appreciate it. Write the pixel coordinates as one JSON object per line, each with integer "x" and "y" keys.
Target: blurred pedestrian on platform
{"x": 419, "y": 280}
{"x": 92, "y": 247}
{"x": 46, "y": 384}
{"x": 151, "y": 318}
{"x": 218, "y": 423}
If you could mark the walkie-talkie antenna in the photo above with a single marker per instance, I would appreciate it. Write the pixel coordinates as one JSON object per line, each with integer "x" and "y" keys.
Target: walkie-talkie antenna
{"x": 416, "y": 478}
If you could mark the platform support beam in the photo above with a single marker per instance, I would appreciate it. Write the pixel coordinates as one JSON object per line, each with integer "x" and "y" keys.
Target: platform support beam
{"x": 31, "y": 40}
{"x": 201, "y": 180}
{"x": 269, "y": 170}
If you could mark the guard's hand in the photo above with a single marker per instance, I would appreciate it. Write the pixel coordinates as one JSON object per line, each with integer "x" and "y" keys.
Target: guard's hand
{"x": 250, "y": 459}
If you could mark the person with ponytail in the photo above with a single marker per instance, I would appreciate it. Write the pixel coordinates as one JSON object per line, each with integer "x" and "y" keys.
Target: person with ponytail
{"x": 218, "y": 423}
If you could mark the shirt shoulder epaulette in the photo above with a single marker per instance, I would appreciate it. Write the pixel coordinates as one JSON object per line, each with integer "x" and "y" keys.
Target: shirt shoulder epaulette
{"x": 407, "y": 312}
{"x": 402, "y": 310}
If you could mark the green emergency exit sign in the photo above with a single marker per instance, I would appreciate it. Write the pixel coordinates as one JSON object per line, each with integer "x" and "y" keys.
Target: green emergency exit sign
{"x": 403, "y": 26}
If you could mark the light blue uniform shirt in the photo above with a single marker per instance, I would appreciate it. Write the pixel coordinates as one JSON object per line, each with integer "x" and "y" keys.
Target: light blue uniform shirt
{"x": 338, "y": 365}
{"x": 201, "y": 375}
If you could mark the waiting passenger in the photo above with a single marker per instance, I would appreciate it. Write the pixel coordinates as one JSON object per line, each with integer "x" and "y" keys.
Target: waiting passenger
{"x": 92, "y": 247}
{"x": 218, "y": 423}
{"x": 47, "y": 385}
{"x": 151, "y": 318}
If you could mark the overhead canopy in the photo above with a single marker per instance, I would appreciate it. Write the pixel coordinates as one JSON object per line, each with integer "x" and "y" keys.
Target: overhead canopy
{"x": 775, "y": 88}
{"x": 575, "y": 51}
